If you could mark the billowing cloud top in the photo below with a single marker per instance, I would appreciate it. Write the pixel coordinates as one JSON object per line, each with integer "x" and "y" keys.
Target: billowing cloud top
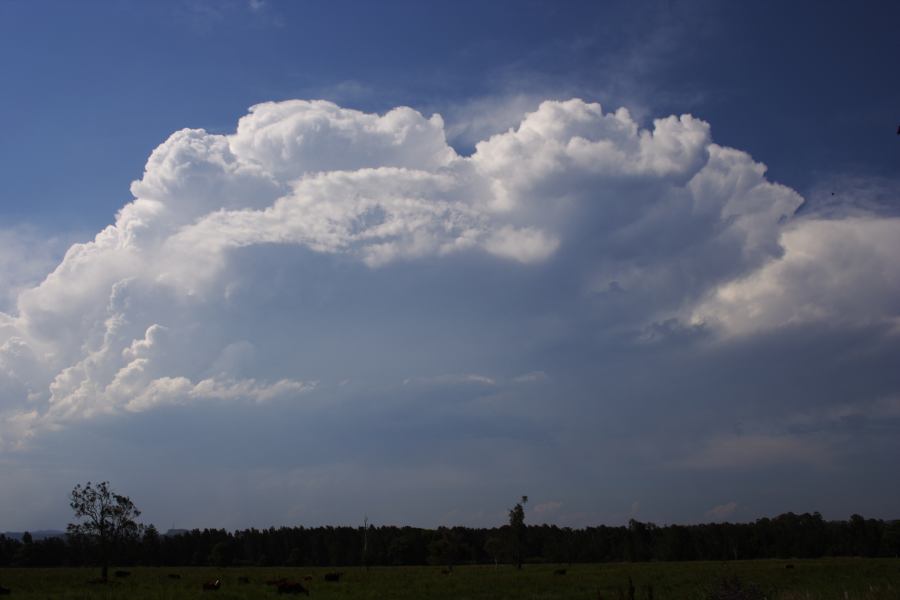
{"x": 232, "y": 239}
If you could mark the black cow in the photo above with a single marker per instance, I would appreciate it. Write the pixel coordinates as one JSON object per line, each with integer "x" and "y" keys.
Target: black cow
{"x": 559, "y": 572}
{"x": 292, "y": 587}
{"x": 333, "y": 576}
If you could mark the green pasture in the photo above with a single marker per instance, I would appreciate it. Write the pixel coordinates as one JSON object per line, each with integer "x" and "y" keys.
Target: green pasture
{"x": 840, "y": 579}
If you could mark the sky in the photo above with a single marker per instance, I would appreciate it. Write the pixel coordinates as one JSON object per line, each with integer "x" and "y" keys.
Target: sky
{"x": 301, "y": 263}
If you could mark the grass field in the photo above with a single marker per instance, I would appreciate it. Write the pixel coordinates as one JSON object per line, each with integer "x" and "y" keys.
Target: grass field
{"x": 808, "y": 579}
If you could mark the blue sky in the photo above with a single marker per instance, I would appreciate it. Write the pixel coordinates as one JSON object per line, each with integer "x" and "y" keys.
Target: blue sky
{"x": 311, "y": 311}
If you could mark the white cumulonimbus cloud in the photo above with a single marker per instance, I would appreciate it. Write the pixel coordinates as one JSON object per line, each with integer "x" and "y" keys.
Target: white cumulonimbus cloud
{"x": 841, "y": 272}
{"x": 678, "y": 226}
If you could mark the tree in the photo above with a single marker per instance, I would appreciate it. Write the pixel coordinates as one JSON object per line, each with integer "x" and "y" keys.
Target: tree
{"x": 366, "y": 558}
{"x": 445, "y": 549}
{"x": 517, "y": 531}
{"x": 24, "y": 556}
{"x": 108, "y": 519}
{"x": 221, "y": 555}
{"x": 494, "y": 547}
{"x": 151, "y": 546}
{"x": 295, "y": 557}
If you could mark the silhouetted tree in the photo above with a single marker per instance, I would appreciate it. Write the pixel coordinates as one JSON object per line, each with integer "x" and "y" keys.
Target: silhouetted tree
{"x": 494, "y": 547}
{"x": 366, "y": 556}
{"x": 404, "y": 547}
{"x": 108, "y": 519}
{"x": 221, "y": 555}
{"x": 295, "y": 557}
{"x": 517, "y": 531}
{"x": 24, "y": 556}
{"x": 150, "y": 547}
{"x": 445, "y": 549}
{"x": 788, "y": 535}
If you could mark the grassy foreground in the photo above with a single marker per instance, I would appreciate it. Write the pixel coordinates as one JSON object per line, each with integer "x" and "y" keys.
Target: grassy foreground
{"x": 840, "y": 579}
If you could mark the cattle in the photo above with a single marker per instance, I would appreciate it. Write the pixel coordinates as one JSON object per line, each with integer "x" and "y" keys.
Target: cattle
{"x": 333, "y": 576}
{"x": 789, "y": 566}
{"x": 446, "y": 572}
{"x": 5, "y": 591}
{"x": 174, "y": 576}
{"x": 212, "y": 586}
{"x": 292, "y": 587}
{"x": 559, "y": 572}
{"x": 308, "y": 578}
{"x": 122, "y": 573}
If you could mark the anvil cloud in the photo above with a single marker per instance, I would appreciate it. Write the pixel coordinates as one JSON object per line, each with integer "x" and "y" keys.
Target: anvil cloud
{"x": 318, "y": 247}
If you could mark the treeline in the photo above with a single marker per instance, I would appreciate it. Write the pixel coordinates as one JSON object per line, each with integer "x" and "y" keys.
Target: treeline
{"x": 786, "y": 536}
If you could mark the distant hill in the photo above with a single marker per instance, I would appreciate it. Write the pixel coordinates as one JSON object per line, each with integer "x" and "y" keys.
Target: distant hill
{"x": 40, "y": 534}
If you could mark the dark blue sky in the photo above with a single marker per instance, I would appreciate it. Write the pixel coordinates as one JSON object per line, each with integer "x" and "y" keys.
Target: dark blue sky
{"x": 809, "y": 88}
{"x": 420, "y": 318}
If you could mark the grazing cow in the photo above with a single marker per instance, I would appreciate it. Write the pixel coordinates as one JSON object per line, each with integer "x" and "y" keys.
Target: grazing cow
{"x": 122, "y": 573}
{"x": 212, "y": 586}
{"x": 559, "y": 572}
{"x": 789, "y": 566}
{"x": 5, "y": 591}
{"x": 292, "y": 587}
{"x": 174, "y": 576}
{"x": 243, "y": 580}
{"x": 333, "y": 576}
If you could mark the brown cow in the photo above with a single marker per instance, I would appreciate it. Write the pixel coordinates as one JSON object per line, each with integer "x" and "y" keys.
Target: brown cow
{"x": 212, "y": 586}
{"x": 292, "y": 587}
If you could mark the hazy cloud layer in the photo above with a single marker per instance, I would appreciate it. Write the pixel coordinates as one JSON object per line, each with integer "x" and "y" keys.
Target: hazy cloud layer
{"x": 321, "y": 257}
